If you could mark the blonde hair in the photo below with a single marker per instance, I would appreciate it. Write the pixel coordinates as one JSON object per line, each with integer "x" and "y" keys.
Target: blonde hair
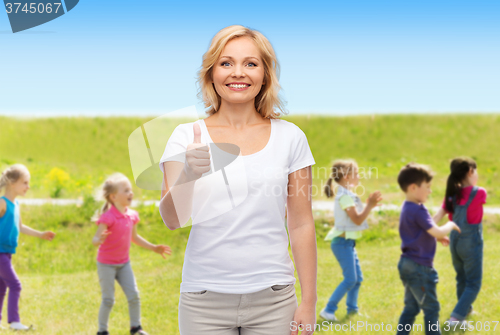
{"x": 109, "y": 187}
{"x": 268, "y": 98}
{"x": 340, "y": 169}
{"x": 12, "y": 175}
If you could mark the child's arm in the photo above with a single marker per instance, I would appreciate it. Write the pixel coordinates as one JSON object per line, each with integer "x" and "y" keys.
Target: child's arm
{"x": 3, "y": 207}
{"x": 100, "y": 235}
{"x": 45, "y": 235}
{"x": 140, "y": 241}
{"x": 439, "y": 215}
{"x": 441, "y": 231}
{"x": 372, "y": 202}
{"x": 445, "y": 241}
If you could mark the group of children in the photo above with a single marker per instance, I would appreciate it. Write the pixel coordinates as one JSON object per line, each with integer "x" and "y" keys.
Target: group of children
{"x": 419, "y": 233}
{"x": 116, "y": 229}
{"x": 418, "y": 230}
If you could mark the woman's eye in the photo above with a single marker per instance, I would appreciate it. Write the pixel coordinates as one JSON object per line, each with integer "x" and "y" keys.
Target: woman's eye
{"x": 252, "y": 64}
{"x": 224, "y": 63}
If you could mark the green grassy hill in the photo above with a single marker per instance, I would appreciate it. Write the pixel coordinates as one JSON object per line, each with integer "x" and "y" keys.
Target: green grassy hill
{"x": 61, "y": 293}
{"x": 86, "y": 150}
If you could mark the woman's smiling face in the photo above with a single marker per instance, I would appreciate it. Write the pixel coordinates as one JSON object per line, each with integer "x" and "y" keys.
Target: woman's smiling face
{"x": 238, "y": 75}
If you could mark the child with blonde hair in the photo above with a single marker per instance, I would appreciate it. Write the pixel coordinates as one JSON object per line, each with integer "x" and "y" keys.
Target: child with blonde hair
{"x": 350, "y": 219}
{"x": 16, "y": 181}
{"x": 116, "y": 229}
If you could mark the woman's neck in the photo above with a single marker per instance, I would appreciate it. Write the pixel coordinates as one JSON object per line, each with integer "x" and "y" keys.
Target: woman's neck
{"x": 237, "y": 115}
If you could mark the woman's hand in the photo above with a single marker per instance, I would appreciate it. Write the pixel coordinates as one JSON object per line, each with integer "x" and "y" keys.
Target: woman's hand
{"x": 304, "y": 319}
{"x": 197, "y": 156}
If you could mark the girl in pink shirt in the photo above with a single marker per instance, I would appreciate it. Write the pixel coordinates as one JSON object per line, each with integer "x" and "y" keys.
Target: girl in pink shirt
{"x": 116, "y": 229}
{"x": 464, "y": 205}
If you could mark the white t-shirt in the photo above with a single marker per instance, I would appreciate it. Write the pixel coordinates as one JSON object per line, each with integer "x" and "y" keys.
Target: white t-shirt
{"x": 238, "y": 242}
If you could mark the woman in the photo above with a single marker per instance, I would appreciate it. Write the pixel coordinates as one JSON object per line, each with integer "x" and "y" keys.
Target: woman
{"x": 238, "y": 277}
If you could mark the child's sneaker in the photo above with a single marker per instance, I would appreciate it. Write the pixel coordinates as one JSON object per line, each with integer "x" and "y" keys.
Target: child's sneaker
{"x": 327, "y": 316}
{"x": 103, "y": 333}
{"x": 19, "y": 326}
{"x": 471, "y": 312}
{"x": 137, "y": 330}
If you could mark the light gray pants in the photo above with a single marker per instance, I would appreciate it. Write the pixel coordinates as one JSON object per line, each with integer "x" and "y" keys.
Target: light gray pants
{"x": 265, "y": 312}
{"x": 125, "y": 277}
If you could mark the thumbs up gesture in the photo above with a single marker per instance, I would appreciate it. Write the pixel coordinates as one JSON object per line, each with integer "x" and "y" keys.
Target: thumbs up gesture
{"x": 197, "y": 156}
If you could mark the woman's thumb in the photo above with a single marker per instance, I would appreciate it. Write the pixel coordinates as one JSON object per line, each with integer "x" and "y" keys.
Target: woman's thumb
{"x": 197, "y": 133}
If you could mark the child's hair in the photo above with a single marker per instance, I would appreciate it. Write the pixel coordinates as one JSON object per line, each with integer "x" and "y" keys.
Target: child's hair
{"x": 414, "y": 173}
{"x": 109, "y": 187}
{"x": 340, "y": 169}
{"x": 459, "y": 168}
{"x": 12, "y": 175}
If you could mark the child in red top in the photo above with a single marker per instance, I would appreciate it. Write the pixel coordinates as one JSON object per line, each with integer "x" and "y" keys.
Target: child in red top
{"x": 475, "y": 210}
{"x": 464, "y": 205}
{"x": 116, "y": 229}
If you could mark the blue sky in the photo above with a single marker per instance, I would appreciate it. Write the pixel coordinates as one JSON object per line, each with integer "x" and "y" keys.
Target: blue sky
{"x": 337, "y": 57}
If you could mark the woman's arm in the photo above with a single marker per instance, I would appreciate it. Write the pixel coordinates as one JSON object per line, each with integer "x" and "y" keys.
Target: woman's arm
{"x": 176, "y": 214}
{"x": 177, "y": 201}
{"x": 302, "y": 233}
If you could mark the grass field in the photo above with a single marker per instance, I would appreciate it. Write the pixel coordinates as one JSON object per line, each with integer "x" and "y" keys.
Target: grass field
{"x": 70, "y": 157}
{"x": 61, "y": 293}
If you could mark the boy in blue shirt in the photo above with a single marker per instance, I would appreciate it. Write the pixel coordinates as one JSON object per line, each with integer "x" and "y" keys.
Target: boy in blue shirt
{"x": 418, "y": 234}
